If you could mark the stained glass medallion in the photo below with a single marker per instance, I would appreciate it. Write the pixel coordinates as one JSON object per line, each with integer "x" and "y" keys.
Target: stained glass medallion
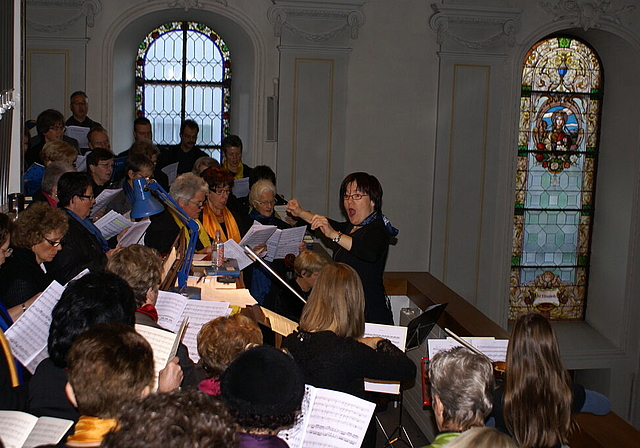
{"x": 555, "y": 179}
{"x": 183, "y": 70}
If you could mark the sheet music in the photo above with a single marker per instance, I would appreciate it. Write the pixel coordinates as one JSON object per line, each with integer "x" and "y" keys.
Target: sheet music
{"x": 135, "y": 233}
{"x": 112, "y": 224}
{"x": 15, "y": 427}
{"x": 257, "y": 234}
{"x": 170, "y": 306}
{"x": 81, "y": 163}
{"x": 161, "y": 342}
{"x": 239, "y": 297}
{"x": 171, "y": 171}
{"x": 234, "y": 250}
{"x": 284, "y": 242}
{"x": 29, "y": 333}
{"x": 279, "y": 324}
{"x": 48, "y": 430}
{"x": 103, "y": 199}
{"x": 199, "y": 313}
{"x": 398, "y": 337}
{"x": 241, "y": 187}
{"x": 329, "y": 419}
{"x": 79, "y": 133}
{"x": 494, "y": 349}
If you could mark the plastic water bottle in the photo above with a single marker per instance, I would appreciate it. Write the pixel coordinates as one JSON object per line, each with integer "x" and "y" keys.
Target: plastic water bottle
{"x": 219, "y": 250}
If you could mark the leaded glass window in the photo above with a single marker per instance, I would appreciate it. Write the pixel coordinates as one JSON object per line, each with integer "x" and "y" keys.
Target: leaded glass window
{"x": 183, "y": 70}
{"x": 560, "y": 106}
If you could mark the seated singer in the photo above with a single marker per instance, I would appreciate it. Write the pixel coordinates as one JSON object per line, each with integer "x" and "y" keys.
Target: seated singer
{"x": 363, "y": 240}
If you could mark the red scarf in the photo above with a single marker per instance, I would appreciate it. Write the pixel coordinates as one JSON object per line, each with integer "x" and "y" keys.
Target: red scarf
{"x": 150, "y": 311}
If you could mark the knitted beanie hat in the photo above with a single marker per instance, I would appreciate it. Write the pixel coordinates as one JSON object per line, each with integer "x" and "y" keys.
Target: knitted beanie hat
{"x": 264, "y": 381}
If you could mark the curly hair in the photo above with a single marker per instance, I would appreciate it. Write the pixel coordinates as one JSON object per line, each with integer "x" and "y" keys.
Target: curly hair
{"x": 258, "y": 421}
{"x": 180, "y": 419}
{"x": 58, "y": 151}
{"x": 222, "y": 339}
{"x": 140, "y": 267}
{"x": 35, "y": 222}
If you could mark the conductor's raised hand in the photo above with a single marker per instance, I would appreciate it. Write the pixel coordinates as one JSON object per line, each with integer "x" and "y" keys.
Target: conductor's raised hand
{"x": 322, "y": 223}
{"x": 293, "y": 208}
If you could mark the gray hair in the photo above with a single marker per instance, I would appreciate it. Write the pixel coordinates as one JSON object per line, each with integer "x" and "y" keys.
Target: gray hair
{"x": 260, "y": 187}
{"x": 464, "y": 383}
{"x": 186, "y": 186}
{"x": 52, "y": 173}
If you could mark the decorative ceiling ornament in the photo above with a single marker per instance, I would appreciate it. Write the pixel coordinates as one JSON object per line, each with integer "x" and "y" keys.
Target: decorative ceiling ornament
{"x": 474, "y": 27}
{"x": 286, "y": 17}
{"x": 587, "y": 14}
{"x": 89, "y": 9}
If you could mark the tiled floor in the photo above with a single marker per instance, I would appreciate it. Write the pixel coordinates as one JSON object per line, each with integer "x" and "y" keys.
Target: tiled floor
{"x": 390, "y": 419}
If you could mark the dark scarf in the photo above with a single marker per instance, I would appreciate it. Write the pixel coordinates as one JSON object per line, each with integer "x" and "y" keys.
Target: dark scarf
{"x": 373, "y": 216}
{"x": 90, "y": 226}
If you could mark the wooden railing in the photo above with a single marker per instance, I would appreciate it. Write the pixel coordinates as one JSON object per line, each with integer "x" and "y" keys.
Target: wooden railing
{"x": 608, "y": 431}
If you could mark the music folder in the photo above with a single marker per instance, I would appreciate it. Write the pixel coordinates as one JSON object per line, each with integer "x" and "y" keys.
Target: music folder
{"x": 420, "y": 327}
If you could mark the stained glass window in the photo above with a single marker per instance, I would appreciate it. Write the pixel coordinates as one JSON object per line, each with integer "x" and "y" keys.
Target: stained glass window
{"x": 560, "y": 106}
{"x": 183, "y": 70}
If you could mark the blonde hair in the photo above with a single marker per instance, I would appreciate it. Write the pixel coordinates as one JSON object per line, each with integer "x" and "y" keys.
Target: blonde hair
{"x": 222, "y": 339}
{"x": 308, "y": 261}
{"x": 537, "y": 393}
{"x": 336, "y": 302}
{"x": 58, "y": 151}
{"x": 482, "y": 437}
{"x": 140, "y": 267}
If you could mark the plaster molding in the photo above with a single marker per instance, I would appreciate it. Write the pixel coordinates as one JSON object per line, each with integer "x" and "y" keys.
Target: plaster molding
{"x": 190, "y": 4}
{"x": 285, "y": 17}
{"x": 456, "y": 22}
{"x": 89, "y": 9}
{"x": 587, "y": 14}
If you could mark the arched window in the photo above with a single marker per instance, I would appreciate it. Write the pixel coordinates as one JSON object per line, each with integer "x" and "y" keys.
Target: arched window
{"x": 183, "y": 70}
{"x": 555, "y": 181}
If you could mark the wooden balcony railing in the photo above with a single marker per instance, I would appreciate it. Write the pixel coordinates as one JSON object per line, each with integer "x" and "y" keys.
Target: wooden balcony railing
{"x": 608, "y": 431}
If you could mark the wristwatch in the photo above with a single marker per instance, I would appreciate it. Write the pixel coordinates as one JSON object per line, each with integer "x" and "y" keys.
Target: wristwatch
{"x": 337, "y": 239}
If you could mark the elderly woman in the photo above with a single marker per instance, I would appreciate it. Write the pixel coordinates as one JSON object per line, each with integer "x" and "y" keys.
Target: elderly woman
{"x": 50, "y": 126}
{"x": 49, "y": 188}
{"x": 216, "y": 217}
{"x": 36, "y": 239}
{"x": 461, "y": 388}
{"x": 329, "y": 346}
{"x": 220, "y": 341}
{"x": 363, "y": 240}
{"x": 190, "y": 192}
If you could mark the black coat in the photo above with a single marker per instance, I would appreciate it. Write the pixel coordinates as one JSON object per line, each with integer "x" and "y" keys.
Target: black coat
{"x": 21, "y": 278}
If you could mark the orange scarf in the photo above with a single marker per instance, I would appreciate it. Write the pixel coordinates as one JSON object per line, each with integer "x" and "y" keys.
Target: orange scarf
{"x": 91, "y": 429}
{"x": 202, "y": 235}
{"x": 211, "y": 224}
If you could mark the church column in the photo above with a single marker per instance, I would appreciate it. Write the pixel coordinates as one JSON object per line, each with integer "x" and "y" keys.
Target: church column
{"x": 314, "y": 57}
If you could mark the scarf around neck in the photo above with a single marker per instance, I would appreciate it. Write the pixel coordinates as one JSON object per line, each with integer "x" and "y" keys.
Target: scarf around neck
{"x": 91, "y": 429}
{"x": 211, "y": 224}
{"x": 373, "y": 216}
{"x": 202, "y": 235}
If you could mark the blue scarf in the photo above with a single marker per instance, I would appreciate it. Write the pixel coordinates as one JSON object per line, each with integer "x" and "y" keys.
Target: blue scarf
{"x": 92, "y": 229}
{"x": 264, "y": 220}
{"x": 373, "y": 216}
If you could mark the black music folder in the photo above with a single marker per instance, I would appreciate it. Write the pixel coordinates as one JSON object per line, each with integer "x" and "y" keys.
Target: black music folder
{"x": 420, "y": 327}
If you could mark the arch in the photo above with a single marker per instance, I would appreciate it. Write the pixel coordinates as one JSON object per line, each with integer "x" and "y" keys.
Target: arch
{"x": 241, "y": 35}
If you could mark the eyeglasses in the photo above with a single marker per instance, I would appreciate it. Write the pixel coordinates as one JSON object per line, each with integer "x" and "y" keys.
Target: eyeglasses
{"x": 79, "y": 103}
{"x": 355, "y": 196}
{"x": 197, "y": 204}
{"x": 106, "y": 165}
{"x": 220, "y": 191}
{"x": 265, "y": 203}
{"x": 7, "y": 252}
{"x": 53, "y": 243}
{"x": 84, "y": 196}
{"x": 58, "y": 128}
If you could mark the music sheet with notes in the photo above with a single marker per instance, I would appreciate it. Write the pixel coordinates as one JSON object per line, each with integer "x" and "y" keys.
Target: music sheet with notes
{"x": 329, "y": 418}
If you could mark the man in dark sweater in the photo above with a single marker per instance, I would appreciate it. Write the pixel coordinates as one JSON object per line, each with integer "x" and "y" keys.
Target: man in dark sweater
{"x": 186, "y": 152}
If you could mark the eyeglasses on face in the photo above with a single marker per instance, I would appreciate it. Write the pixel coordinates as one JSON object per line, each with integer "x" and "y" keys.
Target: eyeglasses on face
{"x": 199, "y": 204}
{"x": 354, "y": 196}
{"x": 106, "y": 164}
{"x": 7, "y": 252}
{"x": 58, "y": 128}
{"x": 86, "y": 196}
{"x": 79, "y": 103}
{"x": 220, "y": 191}
{"x": 53, "y": 243}
{"x": 265, "y": 203}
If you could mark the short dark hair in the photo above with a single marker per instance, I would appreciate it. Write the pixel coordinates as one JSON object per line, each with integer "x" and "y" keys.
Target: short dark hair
{"x": 217, "y": 176}
{"x": 368, "y": 184}
{"x": 98, "y": 154}
{"x": 5, "y": 227}
{"x": 76, "y": 93}
{"x": 261, "y": 172}
{"x": 47, "y": 119}
{"x": 181, "y": 419}
{"x": 141, "y": 121}
{"x": 94, "y": 130}
{"x": 72, "y": 184}
{"x": 136, "y": 162}
{"x": 109, "y": 365}
{"x": 189, "y": 124}
{"x": 96, "y": 298}
{"x": 231, "y": 140}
